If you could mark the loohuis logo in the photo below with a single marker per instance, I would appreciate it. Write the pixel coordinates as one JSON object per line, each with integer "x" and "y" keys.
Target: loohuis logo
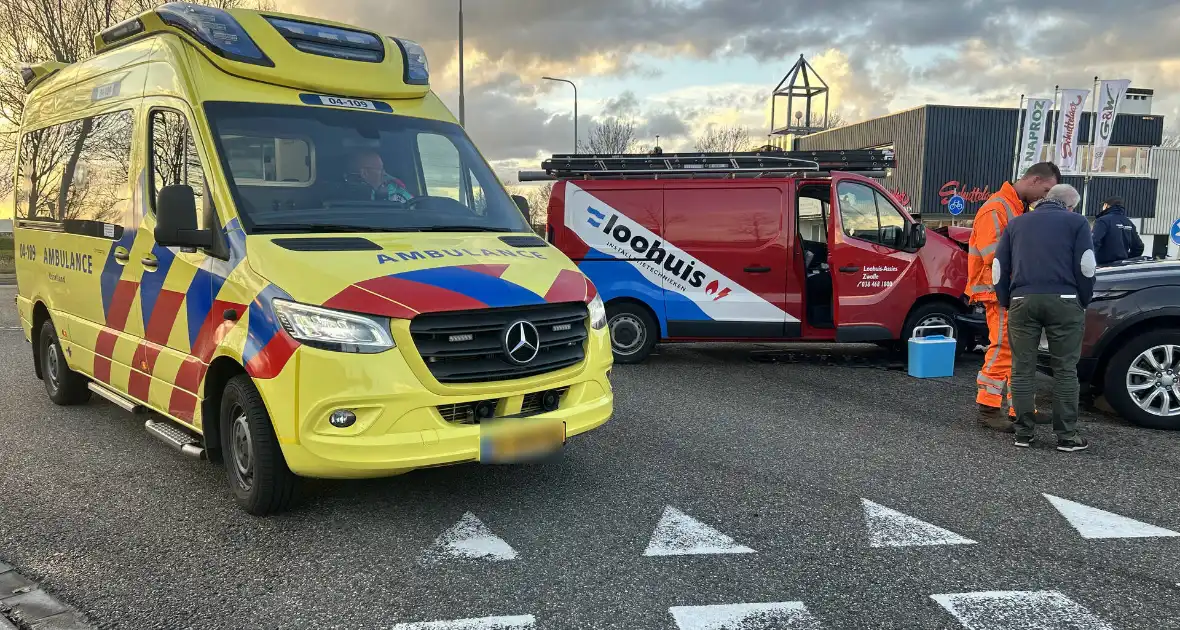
{"x": 675, "y": 270}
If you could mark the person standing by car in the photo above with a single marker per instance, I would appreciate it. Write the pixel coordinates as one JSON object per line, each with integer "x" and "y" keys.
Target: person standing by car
{"x": 989, "y": 225}
{"x": 1115, "y": 237}
{"x": 1043, "y": 272}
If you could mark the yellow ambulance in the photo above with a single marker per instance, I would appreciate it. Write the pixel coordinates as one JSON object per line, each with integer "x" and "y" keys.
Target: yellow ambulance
{"x": 267, "y": 234}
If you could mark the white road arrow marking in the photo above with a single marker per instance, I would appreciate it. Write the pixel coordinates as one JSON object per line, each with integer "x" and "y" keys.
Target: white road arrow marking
{"x": 678, "y": 534}
{"x": 483, "y": 623}
{"x": 890, "y": 528}
{"x": 1019, "y": 610}
{"x": 1095, "y": 523}
{"x": 775, "y": 616}
{"x": 469, "y": 539}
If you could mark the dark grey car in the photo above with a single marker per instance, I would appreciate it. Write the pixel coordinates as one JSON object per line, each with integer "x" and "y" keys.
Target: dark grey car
{"x": 1131, "y": 347}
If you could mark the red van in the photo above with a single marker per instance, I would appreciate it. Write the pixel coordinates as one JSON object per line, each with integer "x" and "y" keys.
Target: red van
{"x": 783, "y": 246}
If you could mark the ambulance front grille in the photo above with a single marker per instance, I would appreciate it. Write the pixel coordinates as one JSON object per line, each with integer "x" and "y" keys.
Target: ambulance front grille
{"x": 468, "y": 346}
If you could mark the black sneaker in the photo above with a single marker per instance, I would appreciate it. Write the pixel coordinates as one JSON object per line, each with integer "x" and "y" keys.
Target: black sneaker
{"x": 1025, "y": 442}
{"x": 1079, "y": 444}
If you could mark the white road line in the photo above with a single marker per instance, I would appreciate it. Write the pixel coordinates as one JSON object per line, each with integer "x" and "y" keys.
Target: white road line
{"x": 483, "y": 623}
{"x": 469, "y": 539}
{"x": 1095, "y": 523}
{"x": 678, "y": 534}
{"x": 1019, "y": 610}
{"x": 774, "y": 616}
{"x": 890, "y": 528}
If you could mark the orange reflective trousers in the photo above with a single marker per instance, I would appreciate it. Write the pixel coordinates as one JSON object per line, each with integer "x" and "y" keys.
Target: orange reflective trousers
{"x": 993, "y": 379}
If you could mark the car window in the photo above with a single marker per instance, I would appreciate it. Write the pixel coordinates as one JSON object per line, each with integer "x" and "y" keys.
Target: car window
{"x": 812, "y": 224}
{"x": 76, "y": 175}
{"x": 893, "y": 225}
{"x": 858, "y": 212}
{"x": 174, "y": 157}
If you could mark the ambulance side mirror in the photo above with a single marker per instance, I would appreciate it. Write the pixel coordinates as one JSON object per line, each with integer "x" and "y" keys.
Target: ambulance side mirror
{"x": 176, "y": 219}
{"x": 917, "y": 236}
{"x": 522, "y": 203}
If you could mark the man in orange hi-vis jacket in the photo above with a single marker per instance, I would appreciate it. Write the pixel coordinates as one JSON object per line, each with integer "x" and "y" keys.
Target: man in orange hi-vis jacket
{"x": 990, "y": 222}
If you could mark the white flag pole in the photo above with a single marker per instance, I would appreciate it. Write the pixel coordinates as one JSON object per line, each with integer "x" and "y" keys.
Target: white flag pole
{"x": 1093, "y": 143}
{"x": 1053, "y": 130}
{"x": 1019, "y": 133}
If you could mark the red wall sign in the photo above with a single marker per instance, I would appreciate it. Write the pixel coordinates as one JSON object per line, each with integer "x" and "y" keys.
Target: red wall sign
{"x": 900, "y": 196}
{"x": 975, "y": 194}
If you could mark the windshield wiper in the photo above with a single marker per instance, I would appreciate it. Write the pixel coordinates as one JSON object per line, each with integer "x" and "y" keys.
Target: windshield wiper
{"x": 462, "y": 228}
{"x": 262, "y": 228}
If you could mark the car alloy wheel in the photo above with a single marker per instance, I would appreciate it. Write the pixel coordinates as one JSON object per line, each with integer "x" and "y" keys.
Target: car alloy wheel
{"x": 1153, "y": 380}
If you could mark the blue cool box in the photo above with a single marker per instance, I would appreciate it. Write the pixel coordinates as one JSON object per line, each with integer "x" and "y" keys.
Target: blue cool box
{"x": 932, "y": 356}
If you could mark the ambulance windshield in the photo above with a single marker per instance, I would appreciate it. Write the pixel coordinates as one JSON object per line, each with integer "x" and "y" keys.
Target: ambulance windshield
{"x": 300, "y": 169}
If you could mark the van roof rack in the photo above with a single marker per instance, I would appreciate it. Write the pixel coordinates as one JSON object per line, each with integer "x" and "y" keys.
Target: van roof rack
{"x": 753, "y": 164}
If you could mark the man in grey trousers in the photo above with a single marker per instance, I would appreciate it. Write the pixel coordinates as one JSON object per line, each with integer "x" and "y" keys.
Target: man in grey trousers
{"x": 1044, "y": 275}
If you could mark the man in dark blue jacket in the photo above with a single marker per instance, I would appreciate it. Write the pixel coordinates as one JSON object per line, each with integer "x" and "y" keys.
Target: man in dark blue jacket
{"x": 1044, "y": 275}
{"x": 1115, "y": 237}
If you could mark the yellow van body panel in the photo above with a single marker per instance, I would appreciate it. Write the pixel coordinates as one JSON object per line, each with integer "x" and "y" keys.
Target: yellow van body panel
{"x": 150, "y": 322}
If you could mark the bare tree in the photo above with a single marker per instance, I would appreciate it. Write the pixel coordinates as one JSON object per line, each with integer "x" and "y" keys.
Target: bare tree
{"x": 724, "y": 140}
{"x": 613, "y": 135}
{"x": 538, "y": 198}
{"x": 834, "y": 120}
{"x": 1171, "y": 139}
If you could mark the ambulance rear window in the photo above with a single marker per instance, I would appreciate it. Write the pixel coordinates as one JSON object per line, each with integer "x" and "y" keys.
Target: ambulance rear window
{"x": 315, "y": 169}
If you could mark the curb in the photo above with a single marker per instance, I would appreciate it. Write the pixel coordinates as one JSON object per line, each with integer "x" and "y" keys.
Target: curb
{"x": 7, "y": 279}
{"x": 23, "y": 605}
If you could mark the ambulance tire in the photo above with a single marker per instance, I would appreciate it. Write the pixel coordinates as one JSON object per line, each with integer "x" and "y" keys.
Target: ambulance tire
{"x": 635, "y": 325}
{"x": 933, "y": 313}
{"x": 258, "y": 474}
{"x": 64, "y": 386}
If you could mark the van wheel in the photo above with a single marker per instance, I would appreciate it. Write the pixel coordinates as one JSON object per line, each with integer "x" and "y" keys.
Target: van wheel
{"x": 1142, "y": 381}
{"x": 64, "y": 386}
{"x": 258, "y": 475}
{"x": 633, "y": 332}
{"x": 934, "y": 314}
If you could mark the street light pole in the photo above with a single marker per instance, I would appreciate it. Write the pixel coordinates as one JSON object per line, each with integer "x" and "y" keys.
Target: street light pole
{"x": 462, "y": 104}
{"x": 575, "y": 106}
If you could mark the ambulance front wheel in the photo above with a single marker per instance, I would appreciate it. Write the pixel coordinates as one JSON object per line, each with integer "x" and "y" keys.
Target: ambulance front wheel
{"x": 258, "y": 475}
{"x": 633, "y": 331}
{"x": 64, "y": 386}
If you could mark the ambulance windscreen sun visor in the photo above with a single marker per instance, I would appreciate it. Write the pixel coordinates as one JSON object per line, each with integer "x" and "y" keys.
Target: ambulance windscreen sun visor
{"x": 216, "y": 29}
{"x": 330, "y": 41}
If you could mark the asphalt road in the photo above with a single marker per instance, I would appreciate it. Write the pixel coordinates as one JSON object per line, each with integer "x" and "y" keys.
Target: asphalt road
{"x": 783, "y": 476}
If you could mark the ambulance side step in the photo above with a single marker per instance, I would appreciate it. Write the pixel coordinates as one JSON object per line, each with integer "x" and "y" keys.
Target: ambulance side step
{"x": 175, "y": 437}
{"x": 123, "y": 403}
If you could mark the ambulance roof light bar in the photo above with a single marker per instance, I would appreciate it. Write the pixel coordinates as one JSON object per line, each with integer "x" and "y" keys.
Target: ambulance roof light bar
{"x": 868, "y": 162}
{"x": 216, "y": 29}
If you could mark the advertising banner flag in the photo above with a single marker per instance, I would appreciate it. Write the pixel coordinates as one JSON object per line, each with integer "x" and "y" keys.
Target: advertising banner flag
{"x": 1069, "y": 120}
{"x": 1107, "y": 101}
{"x": 1032, "y": 137}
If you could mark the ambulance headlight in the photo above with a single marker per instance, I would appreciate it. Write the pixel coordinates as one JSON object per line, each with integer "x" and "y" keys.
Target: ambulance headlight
{"x": 597, "y": 313}
{"x": 329, "y": 329}
{"x": 417, "y": 69}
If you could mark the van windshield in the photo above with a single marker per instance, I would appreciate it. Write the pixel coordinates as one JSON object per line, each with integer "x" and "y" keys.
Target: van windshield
{"x": 303, "y": 169}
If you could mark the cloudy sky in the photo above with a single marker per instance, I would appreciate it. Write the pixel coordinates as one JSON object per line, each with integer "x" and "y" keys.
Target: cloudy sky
{"x": 678, "y": 66}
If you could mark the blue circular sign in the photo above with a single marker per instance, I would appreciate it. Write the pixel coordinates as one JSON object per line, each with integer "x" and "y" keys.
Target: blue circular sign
{"x": 956, "y": 205}
{"x": 1176, "y": 231}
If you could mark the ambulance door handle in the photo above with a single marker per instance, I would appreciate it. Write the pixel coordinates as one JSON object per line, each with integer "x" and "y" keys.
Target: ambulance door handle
{"x": 150, "y": 263}
{"x": 757, "y": 269}
{"x": 122, "y": 255}
{"x": 849, "y": 269}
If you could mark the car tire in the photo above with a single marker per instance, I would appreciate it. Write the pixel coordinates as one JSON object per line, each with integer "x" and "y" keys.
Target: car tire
{"x": 1118, "y": 379}
{"x": 935, "y": 313}
{"x": 64, "y": 386}
{"x": 258, "y": 475}
{"x": 633, "y": 332}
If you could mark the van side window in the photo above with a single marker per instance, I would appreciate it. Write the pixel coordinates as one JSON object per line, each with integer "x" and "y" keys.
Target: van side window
{"x": 813, "y": 226}
{"x": 867, "y": 215}
{"x": 174, "y": 158}
{"x": 76, "y": 174}
{"x": 441, "y": 166}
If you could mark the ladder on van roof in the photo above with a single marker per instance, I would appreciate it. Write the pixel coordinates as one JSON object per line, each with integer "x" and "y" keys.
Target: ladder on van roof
{"x": 755, "y": 164}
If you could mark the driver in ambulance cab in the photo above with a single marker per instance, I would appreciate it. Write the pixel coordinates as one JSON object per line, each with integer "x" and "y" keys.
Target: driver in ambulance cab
{"x": 385, "y": 187}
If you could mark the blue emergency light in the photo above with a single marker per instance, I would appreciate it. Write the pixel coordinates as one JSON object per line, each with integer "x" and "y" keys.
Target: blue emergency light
{"x": 216, "y": 29}
{"x": 417, "y": 68}
{"x": 330, "y": 41}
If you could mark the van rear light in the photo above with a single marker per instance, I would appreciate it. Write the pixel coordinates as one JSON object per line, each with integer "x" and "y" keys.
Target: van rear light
{"x": 330, "y": 41}
{"x": 216, "y": 29}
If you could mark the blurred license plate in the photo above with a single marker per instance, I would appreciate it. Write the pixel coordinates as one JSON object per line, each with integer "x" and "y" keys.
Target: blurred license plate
{"x": 506, "y": 441}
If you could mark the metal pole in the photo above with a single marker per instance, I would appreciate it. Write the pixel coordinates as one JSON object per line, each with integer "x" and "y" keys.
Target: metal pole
{"x": 1053, "y": 130}
{"x": 462, "y": 103}
{"x": 1090, "y": 162}
{"x": 573, "y": 85}
{"x": 1019, "y": 129}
